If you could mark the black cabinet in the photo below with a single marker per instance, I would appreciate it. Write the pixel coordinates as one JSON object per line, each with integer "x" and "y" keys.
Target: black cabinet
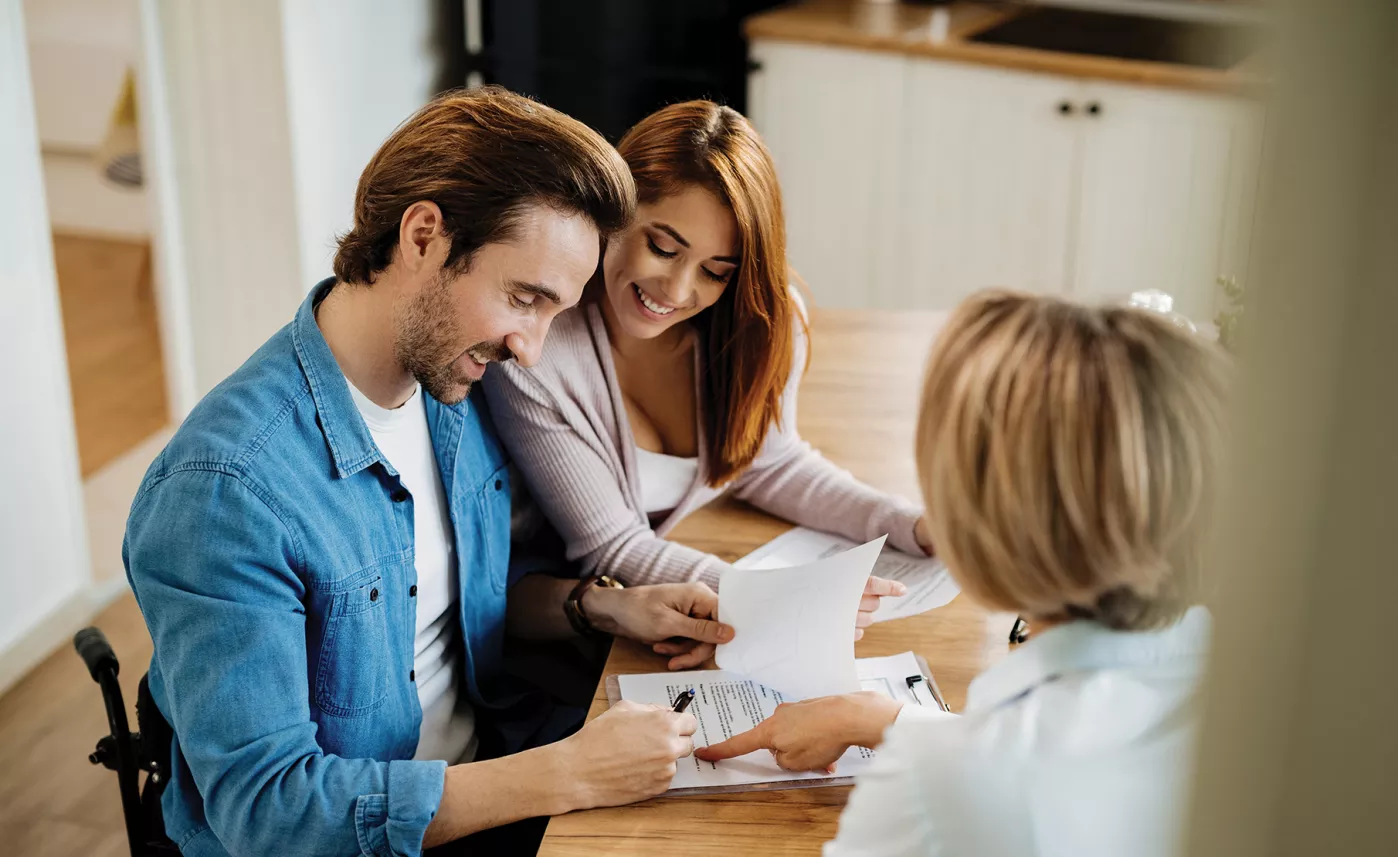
{"x": 611, "y": 62}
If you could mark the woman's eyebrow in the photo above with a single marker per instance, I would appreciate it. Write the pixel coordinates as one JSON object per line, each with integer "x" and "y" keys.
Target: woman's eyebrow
{"x": 674, "y": 233}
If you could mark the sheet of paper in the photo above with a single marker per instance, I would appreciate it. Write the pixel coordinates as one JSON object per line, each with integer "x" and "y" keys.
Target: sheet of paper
{"x": 726, "y": 704}
{"x": 929, "y": 583}
{"x": 794, "y": 627}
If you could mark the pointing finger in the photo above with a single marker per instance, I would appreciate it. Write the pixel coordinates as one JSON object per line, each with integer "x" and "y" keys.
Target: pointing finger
{"x": 738, "y": 745}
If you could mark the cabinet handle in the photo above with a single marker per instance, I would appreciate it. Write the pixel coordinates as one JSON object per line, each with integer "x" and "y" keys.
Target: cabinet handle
{"x": 1094, "y": 108}
{"x": 1065, "y": 108}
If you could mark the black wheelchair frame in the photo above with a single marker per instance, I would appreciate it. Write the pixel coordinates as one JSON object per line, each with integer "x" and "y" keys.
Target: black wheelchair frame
{"x": 129, "y": 753}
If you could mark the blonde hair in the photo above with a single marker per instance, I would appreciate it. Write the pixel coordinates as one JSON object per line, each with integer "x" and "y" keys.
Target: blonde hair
{"x": 1067, "y": 456}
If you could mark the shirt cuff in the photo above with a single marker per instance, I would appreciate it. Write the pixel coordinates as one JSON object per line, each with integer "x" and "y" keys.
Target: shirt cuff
{"x": 395, "y": 823}
{"x": 911, "y": 712}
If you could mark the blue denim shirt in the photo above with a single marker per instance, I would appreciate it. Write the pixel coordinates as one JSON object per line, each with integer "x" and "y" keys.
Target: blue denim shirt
{"x": 270, "y": 547}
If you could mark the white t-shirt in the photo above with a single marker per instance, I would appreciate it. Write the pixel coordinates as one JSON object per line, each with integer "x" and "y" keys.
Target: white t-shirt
{"x": 665, "y": 479}
{"x": 448, "y": 729}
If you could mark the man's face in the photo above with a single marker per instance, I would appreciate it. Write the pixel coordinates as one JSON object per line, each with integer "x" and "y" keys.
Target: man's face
{"x": 454, "y": 324}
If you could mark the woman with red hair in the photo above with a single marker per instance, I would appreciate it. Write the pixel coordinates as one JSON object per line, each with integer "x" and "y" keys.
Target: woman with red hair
{"x": 676, "y": 378}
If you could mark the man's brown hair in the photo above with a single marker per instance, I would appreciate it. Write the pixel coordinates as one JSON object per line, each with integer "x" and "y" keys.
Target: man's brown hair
{"x": 482, "y": 155}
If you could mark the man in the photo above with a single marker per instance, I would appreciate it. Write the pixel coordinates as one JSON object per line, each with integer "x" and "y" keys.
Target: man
{"x": 321, "y": 550}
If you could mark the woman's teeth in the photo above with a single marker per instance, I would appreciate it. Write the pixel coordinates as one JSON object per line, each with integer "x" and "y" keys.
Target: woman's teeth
{"x": 652, "y": 305}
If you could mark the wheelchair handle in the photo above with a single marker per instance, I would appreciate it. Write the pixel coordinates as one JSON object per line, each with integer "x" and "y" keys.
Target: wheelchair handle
{"x": 96, "y": 652}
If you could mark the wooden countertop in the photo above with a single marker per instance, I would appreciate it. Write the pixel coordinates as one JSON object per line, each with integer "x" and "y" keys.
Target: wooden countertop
{"x": 907, "y": 29}
{"x": 858, "y": 405}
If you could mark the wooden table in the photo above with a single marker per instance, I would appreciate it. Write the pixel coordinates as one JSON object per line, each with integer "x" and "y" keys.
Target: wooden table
{"x": 858, "y": 405}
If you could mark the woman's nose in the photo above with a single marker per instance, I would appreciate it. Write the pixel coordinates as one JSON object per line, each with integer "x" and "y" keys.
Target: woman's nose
{"x": 526, "y": 347}
{"x": 678, "y": 288}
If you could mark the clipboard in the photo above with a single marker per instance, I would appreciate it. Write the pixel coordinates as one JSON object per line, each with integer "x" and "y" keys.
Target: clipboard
{"x": 613, "y": 687}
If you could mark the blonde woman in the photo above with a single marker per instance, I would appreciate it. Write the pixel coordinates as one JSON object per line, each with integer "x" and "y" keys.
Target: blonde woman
{"x": 1066, "y": 457}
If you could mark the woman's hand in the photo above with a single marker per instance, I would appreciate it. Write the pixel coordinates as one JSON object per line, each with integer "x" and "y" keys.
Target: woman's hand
{"x": 923, "y": 534}
{"x": 677, "y": 619}
{"x": 813, "y": 735}
{"x": 875, "y": 589}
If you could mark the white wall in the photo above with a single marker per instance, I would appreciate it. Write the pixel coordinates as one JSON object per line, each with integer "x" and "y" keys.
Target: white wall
{"x": 43, "y": 546}
{"x": 257, "y": 118}
{"x": 355, "y": 69}
{"x": 214, "y": 123}
{"x": 1299, "y": 751}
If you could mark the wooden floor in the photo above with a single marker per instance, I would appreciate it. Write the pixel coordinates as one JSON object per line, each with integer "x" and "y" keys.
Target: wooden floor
{"x": 113, "y": 340}
{"x": 52, "y": 802}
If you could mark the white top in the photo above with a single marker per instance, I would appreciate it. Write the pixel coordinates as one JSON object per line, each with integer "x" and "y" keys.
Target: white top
{"x": 448, "y": 730}
{"x": 665, "y": 479}
{"x": 1078, "y": 743}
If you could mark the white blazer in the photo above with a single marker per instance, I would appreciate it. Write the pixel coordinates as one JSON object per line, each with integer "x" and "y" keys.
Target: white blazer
{"x": 1078, "y": 743}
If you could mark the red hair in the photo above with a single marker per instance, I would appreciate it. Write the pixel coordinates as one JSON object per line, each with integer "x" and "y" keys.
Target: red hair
{"x": 747, "y": 334}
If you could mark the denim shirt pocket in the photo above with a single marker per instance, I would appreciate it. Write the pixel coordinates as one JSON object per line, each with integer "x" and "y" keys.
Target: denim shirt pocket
{"x": 493, "y": 505}
{"x": 352, "y": 677}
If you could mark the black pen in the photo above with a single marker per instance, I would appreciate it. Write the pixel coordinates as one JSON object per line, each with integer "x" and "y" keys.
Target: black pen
{"x": 683, "y": 701}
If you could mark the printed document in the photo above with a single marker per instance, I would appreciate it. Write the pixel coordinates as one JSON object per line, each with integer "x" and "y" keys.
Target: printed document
{"x": 726, "y": 704}
{"x": 929, "y": 583}
{"x": 794, "y": 627}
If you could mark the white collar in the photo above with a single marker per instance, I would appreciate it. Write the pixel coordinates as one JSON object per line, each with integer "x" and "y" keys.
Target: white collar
{"x": 1083, "y": 646}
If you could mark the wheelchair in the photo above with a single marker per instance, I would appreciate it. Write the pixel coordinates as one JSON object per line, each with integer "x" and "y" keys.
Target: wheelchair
{"x": 129, "y": 753}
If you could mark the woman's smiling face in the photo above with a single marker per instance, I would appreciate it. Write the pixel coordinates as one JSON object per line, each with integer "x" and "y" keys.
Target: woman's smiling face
{"x": 673, "y": 264}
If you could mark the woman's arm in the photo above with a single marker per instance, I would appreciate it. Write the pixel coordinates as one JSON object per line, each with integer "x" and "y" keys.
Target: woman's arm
{"x": 578, "y": 490}
{"x": 889, "y": 814}
{"x": 792, "y": 480}
{"x": 812, "y": 735}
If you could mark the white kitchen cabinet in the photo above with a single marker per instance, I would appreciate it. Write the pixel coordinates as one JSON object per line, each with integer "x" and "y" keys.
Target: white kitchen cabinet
{"x": 989, "y": 170}
{"x": 1154, "y": 210}
{"x": 830, "y": 117}
{"x": 912, "y": 182}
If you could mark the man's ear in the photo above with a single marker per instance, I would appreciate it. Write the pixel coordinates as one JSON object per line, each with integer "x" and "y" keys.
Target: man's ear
{"x": 420, "y": 227}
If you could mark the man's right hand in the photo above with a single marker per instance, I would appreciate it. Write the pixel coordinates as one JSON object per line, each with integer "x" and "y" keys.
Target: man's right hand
{"x": 626, "y": 755}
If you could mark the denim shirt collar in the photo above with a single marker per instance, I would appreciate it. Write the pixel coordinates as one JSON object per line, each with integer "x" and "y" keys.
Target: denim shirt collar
{"x": 350, "y": 443}
{"x": 1083, "y": 646}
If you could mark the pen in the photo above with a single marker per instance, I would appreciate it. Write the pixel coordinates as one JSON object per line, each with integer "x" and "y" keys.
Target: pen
{"x": 683, "y": 700}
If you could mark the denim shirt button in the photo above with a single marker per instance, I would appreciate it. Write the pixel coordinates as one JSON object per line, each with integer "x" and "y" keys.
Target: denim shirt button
{"x": 399, "y": 495}
{"x": 412, "y": 675}
{"x": 499, "y": 483}
{"x": 412, "y": 591}
{"x": 374, "y": 595}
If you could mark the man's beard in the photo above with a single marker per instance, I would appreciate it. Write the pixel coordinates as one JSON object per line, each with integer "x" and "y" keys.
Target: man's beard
{"x": 425, "y": 344}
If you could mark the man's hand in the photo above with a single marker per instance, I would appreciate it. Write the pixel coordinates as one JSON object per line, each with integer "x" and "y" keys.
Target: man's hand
{"x": 677, "y": 619}
{"x": 812, "y": 735}
{"x": 875, "y": 589}
{"x": 627, "y": 754}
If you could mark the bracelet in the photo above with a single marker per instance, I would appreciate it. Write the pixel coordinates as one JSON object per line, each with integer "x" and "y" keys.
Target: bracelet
{"x": 573, "y": 607}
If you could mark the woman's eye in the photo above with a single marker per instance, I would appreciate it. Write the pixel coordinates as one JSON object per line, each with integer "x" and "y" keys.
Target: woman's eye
{"x": 655, "y": 248}
{"x": 717, "y": 278}
{"x": 521, "y": 303}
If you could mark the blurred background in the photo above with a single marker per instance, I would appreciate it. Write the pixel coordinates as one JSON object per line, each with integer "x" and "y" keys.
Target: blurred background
{"x": 175, "y": 172}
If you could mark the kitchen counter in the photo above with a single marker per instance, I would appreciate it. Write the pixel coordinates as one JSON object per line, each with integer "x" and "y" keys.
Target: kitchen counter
{"x": 908, "y": 29}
